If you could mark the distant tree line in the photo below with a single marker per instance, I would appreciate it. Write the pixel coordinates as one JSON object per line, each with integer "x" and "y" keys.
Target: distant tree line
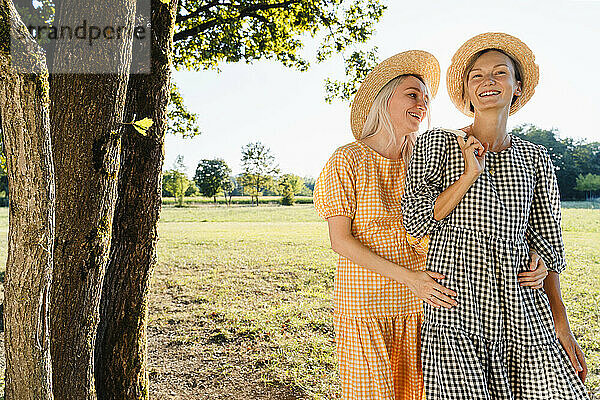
{"x": 577, "y": 166}
{"x": 577, "y": 163}
{"x": 260, "y": 177}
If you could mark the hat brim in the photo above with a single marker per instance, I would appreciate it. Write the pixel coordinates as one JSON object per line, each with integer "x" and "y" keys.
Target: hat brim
{"x": 510, "y": 45}
{"x": 412, "y": 62}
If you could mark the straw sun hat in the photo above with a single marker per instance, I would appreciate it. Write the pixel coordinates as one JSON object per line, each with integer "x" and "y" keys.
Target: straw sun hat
{"x": 510, "y": 45}
{"x": 413, "y": 62}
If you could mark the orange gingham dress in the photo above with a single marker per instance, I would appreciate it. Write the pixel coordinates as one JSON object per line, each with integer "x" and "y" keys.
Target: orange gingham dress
{"x": 377, "y": 320}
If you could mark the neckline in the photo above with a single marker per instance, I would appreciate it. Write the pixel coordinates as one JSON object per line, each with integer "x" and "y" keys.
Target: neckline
{"x": 461, "y": 133}
{"x": 508, "y": 149}
{"x": 378, "y": 154}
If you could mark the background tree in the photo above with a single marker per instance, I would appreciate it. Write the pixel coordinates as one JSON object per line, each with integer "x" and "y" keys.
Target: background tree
{"x": 229, "y": 187}
{"x": 192, "y": 190}
{"x": 309, "y": 183}
{"x": 288, "y": 185}
{"x": 586, "y": 157}
{"x": 258, "y": 168}
{"x": 239, "y": 185}
{"x": 570, "y": 158}
{"x": 168, "y": 187}
{"x": 210, "y": 177}
{"x": 589, "y": 184}
{"x": 296, "y": 183}
{"x": 176, "y": 181}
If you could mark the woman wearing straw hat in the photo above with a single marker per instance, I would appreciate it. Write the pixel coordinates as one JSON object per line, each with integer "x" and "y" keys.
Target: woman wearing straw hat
{"x": 486, "y": 200}
{"x": 377, "y": 319}
{"x": 380, "y": 277}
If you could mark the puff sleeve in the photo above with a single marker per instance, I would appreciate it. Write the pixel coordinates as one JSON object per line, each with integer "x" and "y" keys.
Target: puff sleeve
{"x": 335, "y": 189}
{"x": 424, "y": 183}
{"x": 544, "y": 234}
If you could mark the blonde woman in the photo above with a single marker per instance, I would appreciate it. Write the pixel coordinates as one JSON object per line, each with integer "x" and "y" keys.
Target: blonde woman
{"x": 380, "y": 278}
{"x": 486, "y": 200}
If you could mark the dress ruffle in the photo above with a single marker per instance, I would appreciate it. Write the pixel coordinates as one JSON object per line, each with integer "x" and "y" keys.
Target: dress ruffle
{"x": 475, "y": 368}
{"x": 379, "y": 358}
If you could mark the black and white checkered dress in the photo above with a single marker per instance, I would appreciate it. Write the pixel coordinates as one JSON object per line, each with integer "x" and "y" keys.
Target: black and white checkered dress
{"x": 499, "y": 342}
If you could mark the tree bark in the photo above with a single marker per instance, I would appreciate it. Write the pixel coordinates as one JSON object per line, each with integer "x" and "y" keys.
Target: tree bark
{"x": 86, "y": 115}
{"x": 121, "y": 344}
{"x": 26, "y": 135}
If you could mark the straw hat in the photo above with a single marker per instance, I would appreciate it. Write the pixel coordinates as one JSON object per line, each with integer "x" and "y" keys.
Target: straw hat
{"x": 512, "y": 46}
{"x": 413, "y": 62}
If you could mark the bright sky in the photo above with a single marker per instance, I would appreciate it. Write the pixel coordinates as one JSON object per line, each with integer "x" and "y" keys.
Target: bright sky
{"x": 285, "y": 109}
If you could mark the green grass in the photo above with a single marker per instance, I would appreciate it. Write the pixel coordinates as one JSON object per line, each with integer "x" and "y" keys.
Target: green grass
{"x": 236, "y": 213}
{"x": 260, "y": 266}
{"x": 595, "y": 205}
{"x": 267, "y": 273}
{"x": 258, "y": 281}
{"x": 200, "y": 200}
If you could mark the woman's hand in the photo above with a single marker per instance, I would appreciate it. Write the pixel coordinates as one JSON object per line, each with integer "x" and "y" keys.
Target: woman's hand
{"x": 423, "y": 285}
{"x": 568, "y": 342}
{"x": 534, "y": 278}
{"x": 474, "y": 155}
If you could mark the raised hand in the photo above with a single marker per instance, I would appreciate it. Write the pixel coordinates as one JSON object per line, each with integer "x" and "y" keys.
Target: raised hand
{"x": 474, "y": 155}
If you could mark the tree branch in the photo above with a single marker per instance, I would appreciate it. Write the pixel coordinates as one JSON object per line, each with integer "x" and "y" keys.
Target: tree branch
{"x": 244, "y": 11}
{"x": 199, "y": 10}
{"x": 266, "y": 6}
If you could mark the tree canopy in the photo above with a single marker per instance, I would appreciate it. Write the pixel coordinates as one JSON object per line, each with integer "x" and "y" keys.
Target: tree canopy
{"x": 258, "y": 168}
{"x": 181, "y": 121}
{"x": 209, "y": 32}
{"x": 589, "y": 184}
{"x": 570, "y": 157}
{"x": 288, "y": 186}
{"x": 212, "y": 176}
{"x": 175, "y": 181}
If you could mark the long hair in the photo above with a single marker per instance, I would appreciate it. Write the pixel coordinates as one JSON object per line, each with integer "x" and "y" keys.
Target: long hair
{"x": 379, "y": 120}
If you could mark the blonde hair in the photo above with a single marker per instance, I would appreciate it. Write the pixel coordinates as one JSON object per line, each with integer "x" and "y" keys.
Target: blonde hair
{"x": 468, "y": 106}
{"x": 379, "y": 119}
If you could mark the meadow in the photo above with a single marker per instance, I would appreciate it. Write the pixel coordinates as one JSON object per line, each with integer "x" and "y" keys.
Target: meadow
{"x": 240, "y": 301}
{"x": 245, "y": 293}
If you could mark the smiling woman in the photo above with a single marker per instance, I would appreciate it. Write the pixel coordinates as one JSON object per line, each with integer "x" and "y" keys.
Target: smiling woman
{"x": 404, "y": 110}
{"x": 379, "y": 279}
{"x": 502, "y": 70}
{"x": 488, "y": 201}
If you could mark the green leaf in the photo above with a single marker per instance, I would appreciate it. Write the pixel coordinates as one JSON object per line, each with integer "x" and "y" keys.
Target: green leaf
{"x": 143, "y": 125}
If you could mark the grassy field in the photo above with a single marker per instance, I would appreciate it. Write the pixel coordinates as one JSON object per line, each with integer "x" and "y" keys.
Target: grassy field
{"x": 240, "y": 302}
{"x": 237, "y": 200}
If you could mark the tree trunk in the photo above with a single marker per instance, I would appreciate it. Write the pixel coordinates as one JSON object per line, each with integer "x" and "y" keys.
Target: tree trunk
{"x": 86, "y": 116}
{"x": 121, "y": 344}
{"x": 26, "y": 136}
